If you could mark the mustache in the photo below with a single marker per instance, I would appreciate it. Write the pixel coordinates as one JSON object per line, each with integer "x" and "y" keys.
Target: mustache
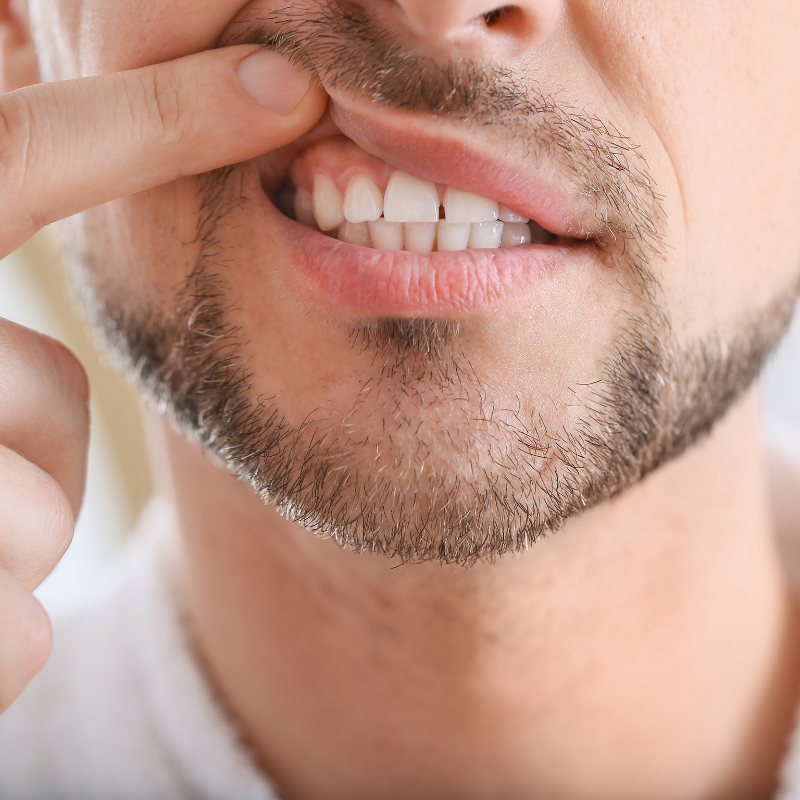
{"x": 354, "y": 53}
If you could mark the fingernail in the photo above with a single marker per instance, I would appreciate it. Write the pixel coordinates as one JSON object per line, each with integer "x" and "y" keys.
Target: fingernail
{"x": 271, "y": 80}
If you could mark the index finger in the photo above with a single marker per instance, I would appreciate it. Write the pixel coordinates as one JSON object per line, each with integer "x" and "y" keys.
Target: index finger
{"x": 72, "y": 145}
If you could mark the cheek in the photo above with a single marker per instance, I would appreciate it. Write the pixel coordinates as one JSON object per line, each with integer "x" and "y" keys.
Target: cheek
{"x": 137, "y": 250}
{"x": 712, "y": 92}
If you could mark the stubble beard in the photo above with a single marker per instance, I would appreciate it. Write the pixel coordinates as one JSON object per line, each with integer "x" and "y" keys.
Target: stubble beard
{"x": 434, "y": 463}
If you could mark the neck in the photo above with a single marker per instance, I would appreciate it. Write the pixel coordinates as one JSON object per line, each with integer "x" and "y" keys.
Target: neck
{"x": 647, "y": 648}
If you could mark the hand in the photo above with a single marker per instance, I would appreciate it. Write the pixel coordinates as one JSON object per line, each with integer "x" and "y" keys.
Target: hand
{"x": 65, "y": 147}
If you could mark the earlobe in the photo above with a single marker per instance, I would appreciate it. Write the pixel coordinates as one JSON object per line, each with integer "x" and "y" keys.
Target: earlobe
{"x": 18, "y": 63}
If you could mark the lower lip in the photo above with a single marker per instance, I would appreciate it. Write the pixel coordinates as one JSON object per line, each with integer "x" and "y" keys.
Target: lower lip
{"x": 373, "y": 282}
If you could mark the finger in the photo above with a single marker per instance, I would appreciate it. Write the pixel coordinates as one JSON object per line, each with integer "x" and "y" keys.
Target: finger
{"x": 44, "y": 406}
{"x": 25, "y": 638}
{"x": 68, "y": 146}
{"x": 36, "y": 520}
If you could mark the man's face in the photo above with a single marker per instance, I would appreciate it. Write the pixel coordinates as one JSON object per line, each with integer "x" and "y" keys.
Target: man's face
{"x": 456, "y": 404}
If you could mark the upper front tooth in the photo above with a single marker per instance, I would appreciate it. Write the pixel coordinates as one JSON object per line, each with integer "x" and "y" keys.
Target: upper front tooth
{"x": 509, "y": 215}
{"x": 363, "y": 200}
{"x": 409, "y": 199}
{"x": 328, "y": 203}
{"x": 461, "y": 206}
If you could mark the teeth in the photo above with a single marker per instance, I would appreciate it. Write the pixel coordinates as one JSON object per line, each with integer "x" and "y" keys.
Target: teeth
{"x": 515, "y": 234}
{"x": 419, "y": 237}
{"x": 386, "y": 235}
{"x": 411, "y": 216}
{"x": 485, "y": 235}
{"x": 304, "y": 208}
{"x": 452, "y": 235}
{"x": 460, "y": 206}
{"x": 409, "y": 199}
{"x": 328, "y": 203}
{"x": 509, "y": 215}
{"x": 355, "y": 233}
{"x": 363, "y": 200}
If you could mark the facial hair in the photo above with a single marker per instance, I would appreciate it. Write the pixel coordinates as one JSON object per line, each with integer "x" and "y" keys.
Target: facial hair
{"x": 498, "y": 475}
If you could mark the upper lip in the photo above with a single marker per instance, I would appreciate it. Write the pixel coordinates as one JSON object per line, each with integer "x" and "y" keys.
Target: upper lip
{"x": 445, "y": 154}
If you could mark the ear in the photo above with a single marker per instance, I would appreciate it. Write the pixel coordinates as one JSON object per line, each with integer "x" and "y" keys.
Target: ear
{"x": 18, "y": 64}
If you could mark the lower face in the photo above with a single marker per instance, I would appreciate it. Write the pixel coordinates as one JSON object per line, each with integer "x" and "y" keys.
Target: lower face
{"x": 439, "y": 339}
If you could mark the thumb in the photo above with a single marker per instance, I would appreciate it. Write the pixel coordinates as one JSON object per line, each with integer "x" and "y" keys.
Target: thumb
{"x": 71, "y": 145}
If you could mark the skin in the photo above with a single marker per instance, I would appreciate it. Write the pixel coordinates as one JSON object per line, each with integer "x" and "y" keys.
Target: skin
{"x": 650, "y": 648}
{"x": 43, "y": 444}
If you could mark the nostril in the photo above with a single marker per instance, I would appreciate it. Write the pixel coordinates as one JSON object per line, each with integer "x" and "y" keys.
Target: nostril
{"x": 496, "y": 16}
{"x": 511, "y": 21}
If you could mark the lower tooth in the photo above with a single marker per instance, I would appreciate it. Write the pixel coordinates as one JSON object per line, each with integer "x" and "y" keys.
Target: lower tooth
{"x": 355, "y": 233}
{"x": 386, "y": 235}
{"x": 419, "y": 237}
{"x": 515, "y": 234}
{"x": 485, "y": 235}
{"x": 452, "y": 235}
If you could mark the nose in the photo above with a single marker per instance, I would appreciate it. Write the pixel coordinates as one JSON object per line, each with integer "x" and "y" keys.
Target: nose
{"x": 483, "y": 23}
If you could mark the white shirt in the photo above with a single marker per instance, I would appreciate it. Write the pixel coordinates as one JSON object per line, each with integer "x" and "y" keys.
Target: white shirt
{"x": 122, "y": 711}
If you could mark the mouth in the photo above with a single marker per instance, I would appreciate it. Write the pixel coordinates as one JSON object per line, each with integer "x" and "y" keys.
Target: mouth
{"x": 339, "y": 189}
{"x": 399, "y": 220}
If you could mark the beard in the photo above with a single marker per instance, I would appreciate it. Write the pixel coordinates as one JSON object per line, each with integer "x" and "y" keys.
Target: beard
{"x": 436, "y": 461}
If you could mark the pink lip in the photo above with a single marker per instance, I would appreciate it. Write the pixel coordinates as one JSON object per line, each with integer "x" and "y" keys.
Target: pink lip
{"x": 372, "y": 282}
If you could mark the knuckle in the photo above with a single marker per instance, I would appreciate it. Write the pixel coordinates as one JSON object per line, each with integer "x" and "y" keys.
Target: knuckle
{"x": 15, "y": 137}
{"x": 36, "y": 519}
{"x": 41, "y": 366}
{"x": 159, "y": 99}
{"x": 45, "y": 413}
{"x": 16, "y": 146}
{"x": 70, "y": 373}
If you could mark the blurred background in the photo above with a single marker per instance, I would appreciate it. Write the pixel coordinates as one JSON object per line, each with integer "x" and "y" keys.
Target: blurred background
{"x": 34, "y": 292}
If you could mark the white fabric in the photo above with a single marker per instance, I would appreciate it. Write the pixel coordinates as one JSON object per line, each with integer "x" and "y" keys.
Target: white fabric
{"x": 122, "y": 710}
{"x": 783, "y": 437}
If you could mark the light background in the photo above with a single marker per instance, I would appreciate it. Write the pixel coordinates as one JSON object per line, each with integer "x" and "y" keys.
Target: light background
{"x": 34, "y": 292}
